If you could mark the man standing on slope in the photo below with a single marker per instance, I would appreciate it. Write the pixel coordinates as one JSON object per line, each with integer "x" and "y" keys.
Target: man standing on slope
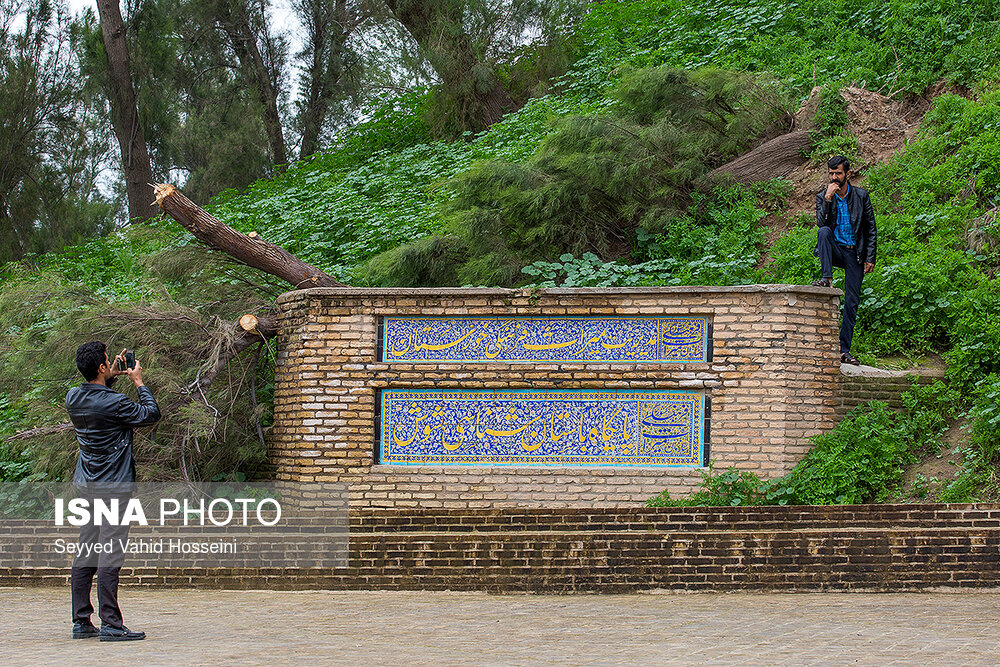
{"x": 846, "y": 239}
{"x": 105, "y": 471}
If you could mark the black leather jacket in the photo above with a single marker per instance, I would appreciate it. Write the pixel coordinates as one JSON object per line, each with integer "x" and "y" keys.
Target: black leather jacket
{"x": 104, "y": 420}
{"x": 859, "y": 206}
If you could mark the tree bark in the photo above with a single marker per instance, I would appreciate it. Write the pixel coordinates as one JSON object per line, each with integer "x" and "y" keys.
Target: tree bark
{"x": 248, "y": 249}
{"x": 236, "y": 25}
{"x": 772, "y": 159}
{"x": 125, "y": 113}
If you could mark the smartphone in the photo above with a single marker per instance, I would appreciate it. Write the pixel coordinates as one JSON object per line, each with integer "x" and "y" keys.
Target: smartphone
{"x": 129, "y": 361}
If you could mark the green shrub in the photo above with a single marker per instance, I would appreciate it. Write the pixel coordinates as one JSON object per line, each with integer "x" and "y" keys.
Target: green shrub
{"x": 831, "y": 113}
{"x": 598, "y": 178}
{"x": 975, "y": 351}
{"x": 794, "y": 261}
{"x": 909, "y": 305}
{"x": 730, "y": 487}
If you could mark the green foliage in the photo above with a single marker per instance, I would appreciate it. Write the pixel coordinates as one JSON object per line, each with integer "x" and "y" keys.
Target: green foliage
{"x": 858, "y": 462}
{"x": 730, "y": 487}
{"x": 909, "y": 305}
{"x": 598, "y": 178}
{"x": 985, "y": 416}
{"x": 980, "y": 478}
{"x": 51, "y": 159}
{"x": 975, "y": 352}
{"x": 427, "y": 262}
{"x": 171, "y": 338}
{"x": 598, "y": 182}
{"x": 714, "y": 243}
{"x": 838, "y": 144}
{"x": 831, "y": 112}
{"x": 385, "y": 185}
{"x": 887, "y": 44}
{"x": 794, "y": 262}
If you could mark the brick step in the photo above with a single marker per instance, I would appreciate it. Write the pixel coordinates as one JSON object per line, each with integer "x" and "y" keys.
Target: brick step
{"x": 670, "y": 519}
{"x": 896, "y": 547}
{"x": 560, "y": 562}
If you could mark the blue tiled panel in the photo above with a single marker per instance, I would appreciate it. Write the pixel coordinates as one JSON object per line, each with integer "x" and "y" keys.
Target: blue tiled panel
{"x": 623, "y": 339}
{"x": 527, "y": 428}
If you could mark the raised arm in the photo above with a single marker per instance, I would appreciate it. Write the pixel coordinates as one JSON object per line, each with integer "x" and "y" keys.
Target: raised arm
{"x": 825, "y": 217}
{"x": 143, "y": 413}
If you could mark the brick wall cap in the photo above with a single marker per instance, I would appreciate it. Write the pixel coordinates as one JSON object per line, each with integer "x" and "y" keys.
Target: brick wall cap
{"x": 872, "y": 372}
{"x": 409, "y": 292}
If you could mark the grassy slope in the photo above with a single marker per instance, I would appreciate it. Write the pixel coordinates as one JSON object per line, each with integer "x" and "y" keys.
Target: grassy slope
{"x": 387, "y": 182}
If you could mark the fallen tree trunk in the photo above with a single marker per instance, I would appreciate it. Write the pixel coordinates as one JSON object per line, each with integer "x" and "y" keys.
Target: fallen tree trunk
{"x": 772, "y": 159}
{"x": 250, "y": 250}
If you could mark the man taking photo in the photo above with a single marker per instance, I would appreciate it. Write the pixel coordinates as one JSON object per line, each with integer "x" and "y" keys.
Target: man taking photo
{"x": 105, "y": 470}
{"x": 846, "y": 239}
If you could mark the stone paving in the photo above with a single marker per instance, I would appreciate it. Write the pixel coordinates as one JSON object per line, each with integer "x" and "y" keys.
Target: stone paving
{"x": 188, "y": 627}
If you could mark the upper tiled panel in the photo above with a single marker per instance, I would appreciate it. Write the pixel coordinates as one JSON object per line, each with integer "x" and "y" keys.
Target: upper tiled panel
{"x": 541, "y": 339}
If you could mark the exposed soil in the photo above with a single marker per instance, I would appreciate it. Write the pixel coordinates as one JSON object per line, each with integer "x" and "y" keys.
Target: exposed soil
{"x": 882, "y": 125}
{"x": 937, "y": 468}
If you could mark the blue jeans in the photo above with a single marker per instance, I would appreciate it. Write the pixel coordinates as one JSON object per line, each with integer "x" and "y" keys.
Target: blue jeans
{"x": 833, "y": 254}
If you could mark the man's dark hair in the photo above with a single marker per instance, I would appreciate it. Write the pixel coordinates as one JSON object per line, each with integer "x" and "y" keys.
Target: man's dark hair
{"x": 89, "y": 357}
{"x": 838, "y": 160}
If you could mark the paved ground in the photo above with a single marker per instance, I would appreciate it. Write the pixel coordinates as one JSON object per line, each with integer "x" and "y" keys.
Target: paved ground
{"x": 187, "y": 627}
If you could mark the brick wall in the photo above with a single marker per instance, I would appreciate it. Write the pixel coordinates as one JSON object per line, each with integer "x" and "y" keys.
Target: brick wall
{"x": 772, "y": 383}
{"x": 855, "y": 390}
{"x": 865, "y": 547}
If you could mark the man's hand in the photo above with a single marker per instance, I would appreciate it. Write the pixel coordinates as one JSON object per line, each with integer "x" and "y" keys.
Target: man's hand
{"x": 869, "y": 267}
{"x": 114, "y": 371}
{"x": 135, "y": 373}
{"x": 830, "y": 190}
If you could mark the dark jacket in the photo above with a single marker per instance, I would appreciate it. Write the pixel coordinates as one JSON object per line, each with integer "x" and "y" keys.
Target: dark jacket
{"x": 859, "y": 206}
{"x": 104, "y": 420}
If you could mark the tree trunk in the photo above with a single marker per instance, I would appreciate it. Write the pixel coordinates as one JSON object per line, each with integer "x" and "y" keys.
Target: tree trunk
{"x": 248, "y": 249}
{"x": 125, "y": 113}
{"x": 436, "y": 25}
{"x": 772, "y": 159}
{"x": 244, "y": 42}
{"x": 328, "y": 33}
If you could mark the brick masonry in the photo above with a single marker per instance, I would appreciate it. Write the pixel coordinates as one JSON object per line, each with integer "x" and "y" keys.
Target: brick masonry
{"x": 860, "y": 389}
{"x": 563, "y": 550}
{"x": 773, "y": 383}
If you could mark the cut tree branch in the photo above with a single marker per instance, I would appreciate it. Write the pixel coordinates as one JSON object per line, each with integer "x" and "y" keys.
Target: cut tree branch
{"x": 265, "y": 329}
{"x": 248, "y": 249}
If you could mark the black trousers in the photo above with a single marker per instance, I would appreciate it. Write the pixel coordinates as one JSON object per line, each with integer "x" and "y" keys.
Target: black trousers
{"x": 105, "y": 559}
{"x": 833, "y": 254}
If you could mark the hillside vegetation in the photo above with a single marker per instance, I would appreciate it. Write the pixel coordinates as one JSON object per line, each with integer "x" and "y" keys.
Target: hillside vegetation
{"x": 603, "y": 181}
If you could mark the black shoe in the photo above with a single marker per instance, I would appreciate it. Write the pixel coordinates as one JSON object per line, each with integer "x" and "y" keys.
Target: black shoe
{"x": 122, "y": 634}
{"x": 83, "y": 630}
{"x": 822, "y": 282}
{"x": 846, "y": 358}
